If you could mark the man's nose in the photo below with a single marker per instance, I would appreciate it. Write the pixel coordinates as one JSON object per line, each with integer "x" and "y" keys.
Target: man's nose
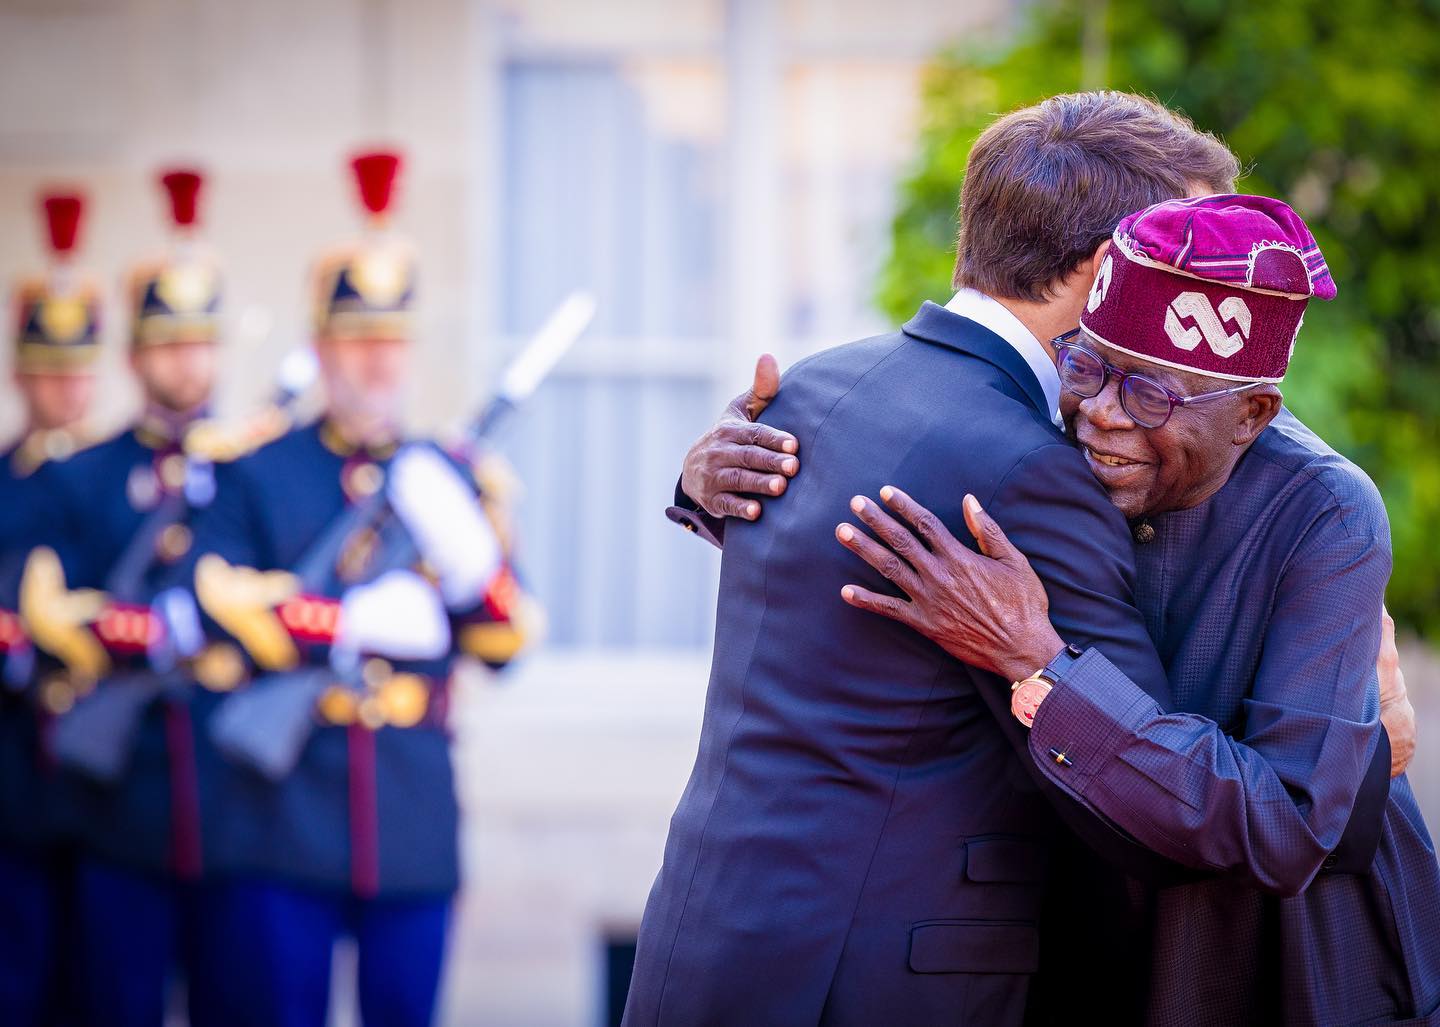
{"x": 1104, "y": 411}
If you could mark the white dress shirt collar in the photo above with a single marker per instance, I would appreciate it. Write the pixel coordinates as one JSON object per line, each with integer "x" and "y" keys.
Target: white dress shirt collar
{"x": 990, "y": 313}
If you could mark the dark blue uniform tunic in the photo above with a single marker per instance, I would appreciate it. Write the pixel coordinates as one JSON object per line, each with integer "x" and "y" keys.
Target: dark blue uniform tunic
{"x": 100, "y": 498}
{"x": 361, "y": 836}
{"x": 138, "y": 836}
{"x": 270, "y": 508}
{"x": 32, "y": 885}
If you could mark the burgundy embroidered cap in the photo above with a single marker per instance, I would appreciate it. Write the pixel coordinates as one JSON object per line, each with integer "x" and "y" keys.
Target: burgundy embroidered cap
{"x": 1215, "y": 284}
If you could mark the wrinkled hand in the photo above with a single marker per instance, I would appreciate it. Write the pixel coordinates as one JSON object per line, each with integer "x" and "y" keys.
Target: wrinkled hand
{"x": 988, "y": 609}
{"x": 1396, "y": 713}
{"x": 739, "y": 457}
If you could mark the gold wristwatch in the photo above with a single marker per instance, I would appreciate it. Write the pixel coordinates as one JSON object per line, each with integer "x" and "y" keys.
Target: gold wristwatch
{"x": 1027, "y": 695}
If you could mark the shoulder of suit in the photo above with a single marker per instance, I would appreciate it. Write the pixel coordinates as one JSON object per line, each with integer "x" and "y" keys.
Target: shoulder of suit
{"x": 225, "y": 442}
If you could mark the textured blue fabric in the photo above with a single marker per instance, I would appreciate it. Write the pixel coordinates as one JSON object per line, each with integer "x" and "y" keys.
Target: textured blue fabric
{"x": 1265, "y": 603}
{"x": 861, "y": 841}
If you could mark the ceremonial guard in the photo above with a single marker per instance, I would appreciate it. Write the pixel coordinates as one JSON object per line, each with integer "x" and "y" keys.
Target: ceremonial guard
{"x": 57, "y": 338}
{"x": 123, "y": 738}
{"x": 339, "y": 573}
{"x": 56, "y": 343}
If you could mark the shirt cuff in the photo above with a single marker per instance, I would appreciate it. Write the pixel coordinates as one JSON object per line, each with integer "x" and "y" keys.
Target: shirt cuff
{"x": 1090, "y": 713}
{"x": 687, "y": 513}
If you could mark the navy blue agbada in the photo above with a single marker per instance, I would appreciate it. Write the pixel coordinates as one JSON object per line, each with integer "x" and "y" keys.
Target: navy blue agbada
{"x": 1264, "y": 604}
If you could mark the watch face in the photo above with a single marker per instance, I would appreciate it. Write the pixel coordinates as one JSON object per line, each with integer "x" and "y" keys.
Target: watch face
{"x": 1025, "y": 699}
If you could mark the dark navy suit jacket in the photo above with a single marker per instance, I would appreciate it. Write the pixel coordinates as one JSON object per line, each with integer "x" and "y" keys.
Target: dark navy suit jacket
{"x": 859, "y": 841}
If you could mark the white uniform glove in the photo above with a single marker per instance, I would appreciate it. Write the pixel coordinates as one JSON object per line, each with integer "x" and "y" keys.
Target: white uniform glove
{"x": 449, "y": 526}
{"x": 397, "y": 615}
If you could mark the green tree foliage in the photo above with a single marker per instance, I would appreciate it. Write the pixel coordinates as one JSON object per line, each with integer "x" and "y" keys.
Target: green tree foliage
{"x": 1332, "y": 106}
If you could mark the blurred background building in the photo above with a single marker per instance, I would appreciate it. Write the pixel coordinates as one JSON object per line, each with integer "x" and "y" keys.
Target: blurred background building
{"x": 726, "y": 175}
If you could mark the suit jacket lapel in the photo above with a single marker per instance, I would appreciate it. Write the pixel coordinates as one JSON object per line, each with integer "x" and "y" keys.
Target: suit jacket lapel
{"x": 933, "y": 323}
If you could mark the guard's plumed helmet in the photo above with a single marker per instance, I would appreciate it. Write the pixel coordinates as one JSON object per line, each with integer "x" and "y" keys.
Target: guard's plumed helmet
{"x": 177, "y": 298}
{"x": 57, "y": 314}
{"x": 367, "y": 288}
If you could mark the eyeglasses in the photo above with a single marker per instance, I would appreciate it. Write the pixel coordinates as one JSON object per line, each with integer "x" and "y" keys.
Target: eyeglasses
{"x": 1144, "y": 400}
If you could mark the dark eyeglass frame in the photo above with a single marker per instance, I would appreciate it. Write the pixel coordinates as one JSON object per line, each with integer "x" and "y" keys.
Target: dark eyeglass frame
{"x": 1066, "y": 342}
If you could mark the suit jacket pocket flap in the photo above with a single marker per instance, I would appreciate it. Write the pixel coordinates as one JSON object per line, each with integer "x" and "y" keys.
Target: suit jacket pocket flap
{"x": 1004, "y": 860}
{"x": 974, "y": 946}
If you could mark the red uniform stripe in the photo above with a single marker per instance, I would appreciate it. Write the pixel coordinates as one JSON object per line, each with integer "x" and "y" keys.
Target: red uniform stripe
{"x": 185, "y": 849}
{"x": 364, "y": 813}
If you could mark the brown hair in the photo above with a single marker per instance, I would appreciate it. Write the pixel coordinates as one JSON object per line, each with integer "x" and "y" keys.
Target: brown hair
{"x": 1046, "y": 184}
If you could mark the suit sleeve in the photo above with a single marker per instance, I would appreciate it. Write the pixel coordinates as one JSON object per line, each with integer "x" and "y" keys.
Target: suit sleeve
{"x": 687, "y": 513}
{"x": 1269, "y": 801}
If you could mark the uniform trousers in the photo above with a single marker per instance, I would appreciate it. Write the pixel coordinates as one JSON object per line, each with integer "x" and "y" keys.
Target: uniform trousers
{"x": 36, "y": 929}
{"x": 138, "y": 933}
{"x": 287, "y": 934}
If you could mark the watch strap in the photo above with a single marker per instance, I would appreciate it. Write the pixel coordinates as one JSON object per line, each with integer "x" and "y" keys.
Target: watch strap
{"x": 1063, "y": 661}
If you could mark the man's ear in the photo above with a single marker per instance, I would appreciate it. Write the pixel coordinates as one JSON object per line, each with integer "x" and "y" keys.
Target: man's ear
{"x": 1098, "y": 257}
{"x": 1259, "y": 406}
{"x": 1083, "y": 274}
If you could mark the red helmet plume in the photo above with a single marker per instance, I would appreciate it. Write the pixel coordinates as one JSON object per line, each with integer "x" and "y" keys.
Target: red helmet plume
{"x": 183, "y": 186}
{"x": 62, "y": 217}
{"x": 375, "y": 174}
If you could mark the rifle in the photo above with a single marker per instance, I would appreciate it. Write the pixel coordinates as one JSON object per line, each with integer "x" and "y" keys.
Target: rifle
{"x": 265, "y": 726}
{"x": 97, "y": 736}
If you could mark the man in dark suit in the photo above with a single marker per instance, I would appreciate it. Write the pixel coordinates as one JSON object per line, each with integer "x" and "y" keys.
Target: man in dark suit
{"x": 858, "y": 842}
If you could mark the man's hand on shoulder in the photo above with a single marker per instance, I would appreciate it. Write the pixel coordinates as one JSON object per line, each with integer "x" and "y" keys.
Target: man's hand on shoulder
{"x": 987, "y": 609}
{"x": 739, "y": 458}
{"x": 1396, "y": 713}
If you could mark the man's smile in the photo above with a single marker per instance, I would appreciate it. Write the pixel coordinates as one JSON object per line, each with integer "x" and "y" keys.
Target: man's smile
{"x": 1110, "y": 459}
{"x": 1113, "y": 470}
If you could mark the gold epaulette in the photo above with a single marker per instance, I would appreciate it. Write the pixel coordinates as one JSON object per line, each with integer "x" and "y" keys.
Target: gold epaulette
{"x": 43, "y": 445}
{"x": 496, "y": 478}
{"x": 500, "y": 490}
{"x": 221, "y": 443}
